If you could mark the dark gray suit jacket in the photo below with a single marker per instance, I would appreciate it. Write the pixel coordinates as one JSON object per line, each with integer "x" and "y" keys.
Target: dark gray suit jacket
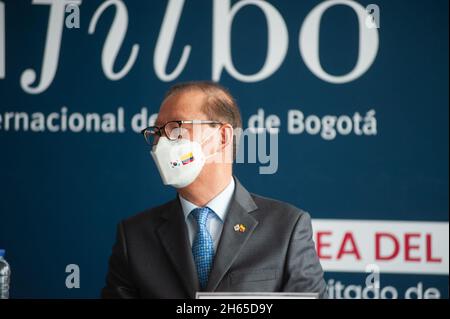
{"x": 152, "y": 256}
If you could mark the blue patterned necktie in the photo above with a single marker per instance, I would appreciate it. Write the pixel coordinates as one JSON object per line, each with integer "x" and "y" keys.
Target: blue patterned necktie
{"x": 203, "y": 245}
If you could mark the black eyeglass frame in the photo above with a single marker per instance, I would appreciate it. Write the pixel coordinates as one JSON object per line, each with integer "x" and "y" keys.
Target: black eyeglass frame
{"x": 159, "y": 129}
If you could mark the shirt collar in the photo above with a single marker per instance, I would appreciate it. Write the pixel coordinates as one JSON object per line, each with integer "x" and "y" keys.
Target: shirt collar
{"x": 218, "y": 204}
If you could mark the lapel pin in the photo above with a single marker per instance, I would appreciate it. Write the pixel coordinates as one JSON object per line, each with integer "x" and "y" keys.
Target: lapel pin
{"x": 240, "y": 228}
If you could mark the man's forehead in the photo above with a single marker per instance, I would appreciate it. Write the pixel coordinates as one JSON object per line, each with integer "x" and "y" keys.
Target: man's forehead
{"x": 182, "y": 106}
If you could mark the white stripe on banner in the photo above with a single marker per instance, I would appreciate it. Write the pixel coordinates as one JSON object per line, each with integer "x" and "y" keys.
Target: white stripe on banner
{"x": 392, "y": 246}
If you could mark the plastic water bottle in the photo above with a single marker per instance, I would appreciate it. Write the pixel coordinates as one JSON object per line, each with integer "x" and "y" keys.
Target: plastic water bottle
{"x": 5, "y": 273}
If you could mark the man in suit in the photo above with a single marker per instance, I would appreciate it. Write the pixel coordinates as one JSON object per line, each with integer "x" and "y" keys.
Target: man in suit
{"x": 215, "y": 236}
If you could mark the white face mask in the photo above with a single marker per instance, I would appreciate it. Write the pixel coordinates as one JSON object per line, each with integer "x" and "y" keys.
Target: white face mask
{"x": 179, "y": 162}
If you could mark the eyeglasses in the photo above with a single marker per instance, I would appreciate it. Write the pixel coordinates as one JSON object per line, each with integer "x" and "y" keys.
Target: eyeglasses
{"x": 173, "y": 130}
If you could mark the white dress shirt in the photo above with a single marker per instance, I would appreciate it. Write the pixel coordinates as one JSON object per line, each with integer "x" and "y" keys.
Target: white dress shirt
{"x": 214, "y": 224}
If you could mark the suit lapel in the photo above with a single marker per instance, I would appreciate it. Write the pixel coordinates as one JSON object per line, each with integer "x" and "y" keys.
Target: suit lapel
{"x": 173, "y": 235}
{"x": 231, "y": 241}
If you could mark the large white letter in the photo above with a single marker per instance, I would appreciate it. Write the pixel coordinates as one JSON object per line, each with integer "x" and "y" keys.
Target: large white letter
{"x": 52, "y": 47}
{"x": 309, "y": 42}
{"x": 2, "y": 40}
{"x": 165, "y": 42}
{"x": 114, "y": 39}
{"x": 277, "y": 39}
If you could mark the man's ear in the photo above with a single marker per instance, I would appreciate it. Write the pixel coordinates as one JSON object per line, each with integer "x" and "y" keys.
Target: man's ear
{"x": 226, "y": 134}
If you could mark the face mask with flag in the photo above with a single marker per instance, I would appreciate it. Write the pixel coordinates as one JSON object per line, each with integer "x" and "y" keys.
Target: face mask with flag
{"x": 179, "y": 162}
